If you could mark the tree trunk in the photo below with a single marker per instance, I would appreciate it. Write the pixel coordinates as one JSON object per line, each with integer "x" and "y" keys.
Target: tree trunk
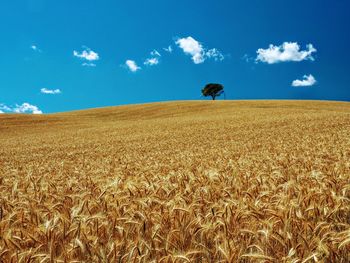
{"x": 213, "y": 96}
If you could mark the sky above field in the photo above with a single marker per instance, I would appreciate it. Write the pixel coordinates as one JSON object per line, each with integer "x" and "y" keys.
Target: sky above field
{"x": 66, "y": 55}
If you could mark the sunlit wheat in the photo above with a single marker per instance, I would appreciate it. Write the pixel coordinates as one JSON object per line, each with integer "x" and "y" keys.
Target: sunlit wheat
{"x": 208, "y": 181}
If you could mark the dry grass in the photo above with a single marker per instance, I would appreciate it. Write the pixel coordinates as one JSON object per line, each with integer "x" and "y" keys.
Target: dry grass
{"x": 220, "y": 181}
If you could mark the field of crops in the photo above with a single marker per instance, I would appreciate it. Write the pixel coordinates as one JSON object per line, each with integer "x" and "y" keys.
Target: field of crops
{"x": 205, "y": 181}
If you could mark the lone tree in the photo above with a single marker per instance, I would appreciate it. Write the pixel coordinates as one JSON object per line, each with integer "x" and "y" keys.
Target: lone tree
{"x": 213, "y": 90}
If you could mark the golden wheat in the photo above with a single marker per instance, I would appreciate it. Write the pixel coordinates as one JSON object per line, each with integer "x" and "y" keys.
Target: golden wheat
{"x": 223, "y": 181}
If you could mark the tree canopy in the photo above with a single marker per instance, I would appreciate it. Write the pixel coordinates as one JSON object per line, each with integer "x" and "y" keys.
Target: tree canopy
{"x": 213, "y": 90}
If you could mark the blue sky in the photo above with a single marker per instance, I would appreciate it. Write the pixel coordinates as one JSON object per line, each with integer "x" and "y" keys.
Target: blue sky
{"x": 67, "y": 55}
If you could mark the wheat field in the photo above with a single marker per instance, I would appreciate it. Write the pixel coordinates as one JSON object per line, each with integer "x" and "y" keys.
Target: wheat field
{"x": 194, "y": 181}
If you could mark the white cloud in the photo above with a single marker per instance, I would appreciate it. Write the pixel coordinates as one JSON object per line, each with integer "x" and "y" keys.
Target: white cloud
{"x": 88, "y": 55}
{"x": 85, "y": 64}
{"x": 50, "y": 91}
{"x": 155, "y": 53}
{"x": 24, "y": 108}
{"x": 305, "y": 82}
{"x": 35, "y": 48}
{"x": 27, "y": 108}
{"x": 199, "y": 54}
{"x": 215, "y": 54}
{"x": 154, "y": 59}
{"x": 132, "y": 66}
{"x": 192, "y": 47}
{"x": 3, "y": 107}
{"x": 248, "y": 58}
{"x": 288, "y": 51}
{"x": 151, "y": 61}
{"x": 168, "y": 49}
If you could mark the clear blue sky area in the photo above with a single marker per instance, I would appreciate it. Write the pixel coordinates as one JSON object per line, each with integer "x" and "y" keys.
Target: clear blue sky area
{"x": 66, "y": 55}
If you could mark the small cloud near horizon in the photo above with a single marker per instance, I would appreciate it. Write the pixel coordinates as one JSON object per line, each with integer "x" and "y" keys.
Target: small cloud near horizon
{"x": 27, "y": 108}
{"x": 23, "y": 108}
{"x": 307, "y": 81}
{"x": 4, "y": 108}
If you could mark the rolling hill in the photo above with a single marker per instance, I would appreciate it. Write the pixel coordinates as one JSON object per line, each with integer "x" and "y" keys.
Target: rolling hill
{"x": 188, "y": 181}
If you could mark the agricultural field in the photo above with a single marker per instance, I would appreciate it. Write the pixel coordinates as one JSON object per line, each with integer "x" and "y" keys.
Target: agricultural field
{"x": 194, "y": 181}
